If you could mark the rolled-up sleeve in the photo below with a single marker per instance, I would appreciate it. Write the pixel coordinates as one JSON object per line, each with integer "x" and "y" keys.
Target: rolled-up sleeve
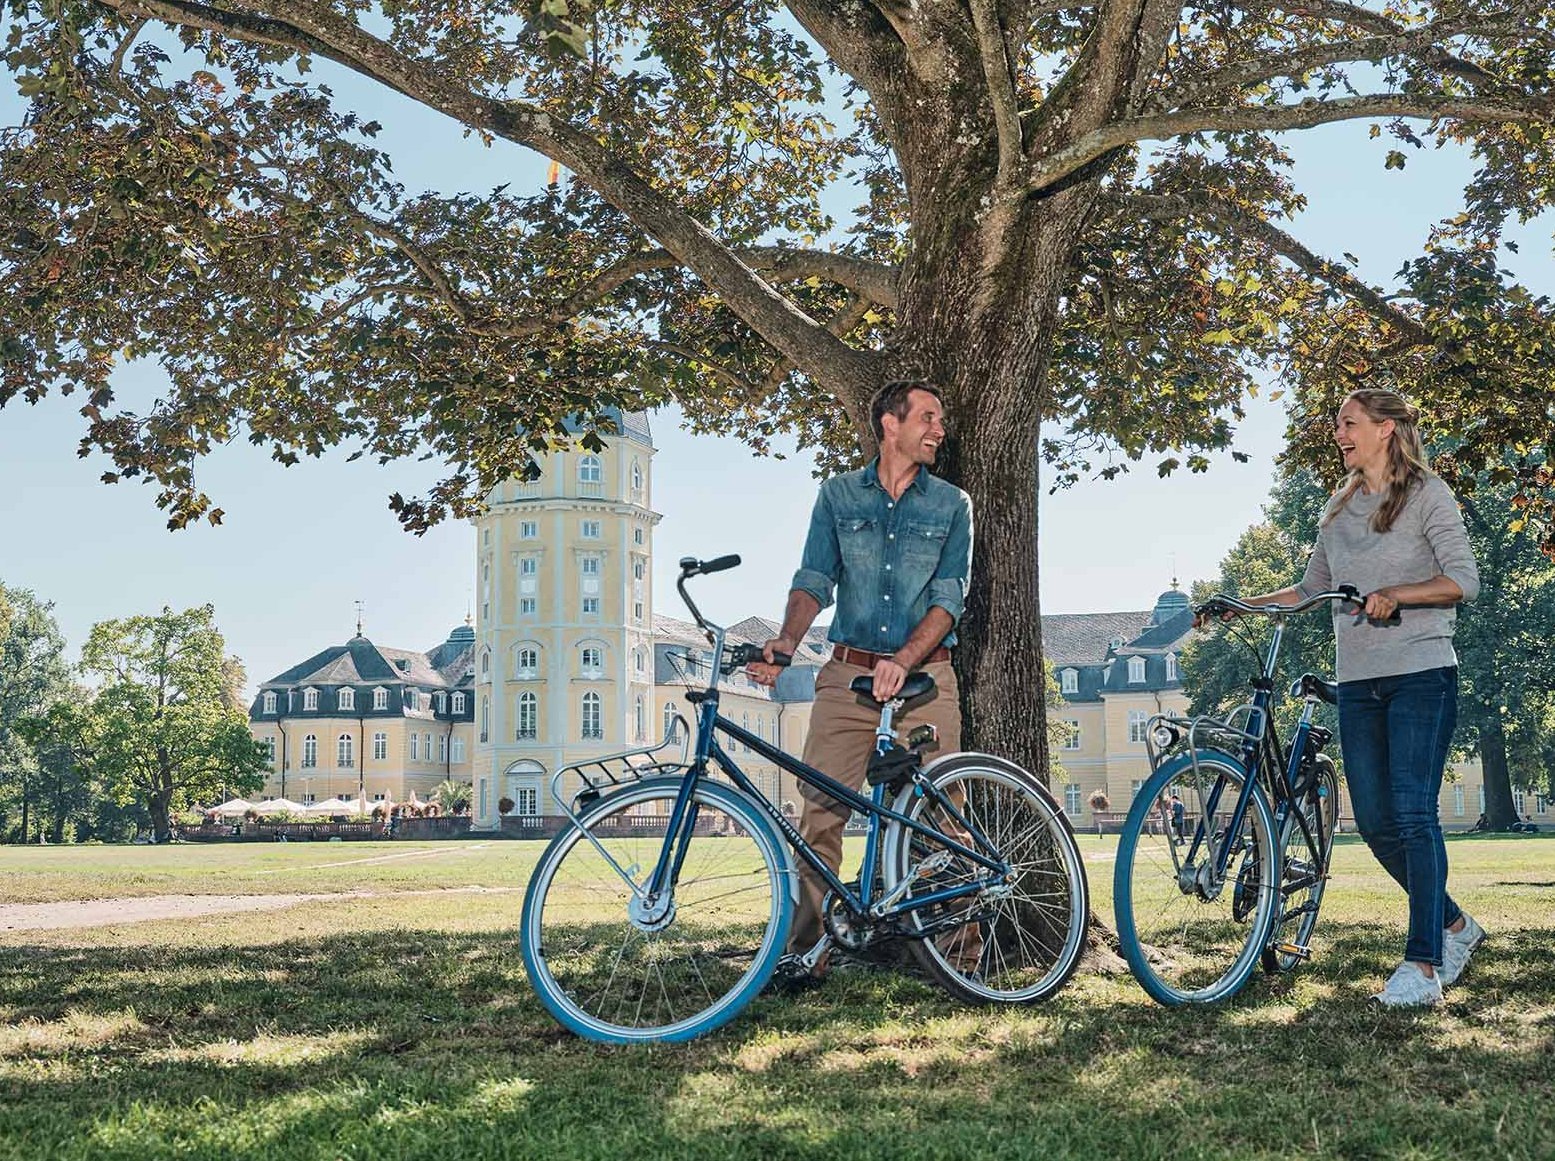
{"x": 947, "y": 589}
{"x": 1318, "y": 578}
{"x": 821, "y": 562}
{"x": 1449, "y": 540}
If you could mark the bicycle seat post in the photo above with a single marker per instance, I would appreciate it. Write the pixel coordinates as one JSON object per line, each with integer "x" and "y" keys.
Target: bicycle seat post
{"x": 885, "y": 734}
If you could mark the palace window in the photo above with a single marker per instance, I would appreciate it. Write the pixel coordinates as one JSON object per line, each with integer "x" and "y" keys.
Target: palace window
{"x": 310, "y": 752}
{"x": 1136, "y": 725}
{"x": 528, "y": 530}
{"x": 310, "y": 699}
{"x": 442, "y": 747}
{"x": 415, "y": 746}
{"x": 269, "y": 702}
{"x": 458, "y": 703}
{"x": 528, "y": 663}
{"x": 1069, "y": 681}
{"x": 640, "y": 719}
{"x": 1171, "y": 667}
{"x": 592, "y": 530}
{"x": 593, "y": 664}
{"x": 345, "y": 751}
{"x": 589, "y": 470}
{"x": 380, "y": 698}
{"x": 590, "y": 566}
{"x": 593, "y": 722}
{"x": 671, "y": 725}
{"x": 485, "y": 718}
{"x": 528, "y": 566}
{"x": 269, "y": 745}
{"x": 1071, "y": 734}
{"x": 346, "y": 699}
{"x": 1072, "y": 799}
{"x": 380, "y": 747}
{"x": 1136, "y": 670}
{"x": 457, "y": 756}
{"x": 591, "y": 606}
{"x": 527, "y": 606}
{"x": 528, "y": 717}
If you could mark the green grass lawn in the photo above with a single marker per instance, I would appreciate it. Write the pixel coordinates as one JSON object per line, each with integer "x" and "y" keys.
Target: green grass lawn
{"x": 392, "y": 1019}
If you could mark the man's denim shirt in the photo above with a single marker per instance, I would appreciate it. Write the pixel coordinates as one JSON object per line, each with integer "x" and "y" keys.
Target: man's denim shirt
{"x": 889, "y": 560}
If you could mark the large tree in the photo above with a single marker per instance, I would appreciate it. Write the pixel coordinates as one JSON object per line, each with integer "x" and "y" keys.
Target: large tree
{"x": 1072, "y": 212}
{"x": 160, "y": 730}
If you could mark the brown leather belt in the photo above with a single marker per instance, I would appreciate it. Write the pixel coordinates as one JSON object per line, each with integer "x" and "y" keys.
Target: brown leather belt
{"x": 864, "y": 659}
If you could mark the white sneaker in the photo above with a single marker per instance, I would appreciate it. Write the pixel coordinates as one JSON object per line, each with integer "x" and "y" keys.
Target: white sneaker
{"x": 1409, "y": 987}
{"x": 1457, "y": 947}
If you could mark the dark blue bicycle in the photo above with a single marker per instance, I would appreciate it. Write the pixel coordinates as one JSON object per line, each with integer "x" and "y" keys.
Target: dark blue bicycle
{"x": 663, "y": 909}
{"x": 1199, "y": 908}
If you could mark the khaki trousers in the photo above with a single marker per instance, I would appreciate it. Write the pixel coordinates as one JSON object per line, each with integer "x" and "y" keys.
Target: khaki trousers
{"x": 840, "y": 741}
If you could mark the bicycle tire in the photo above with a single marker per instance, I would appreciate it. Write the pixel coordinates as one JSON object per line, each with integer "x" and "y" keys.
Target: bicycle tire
{"x": 612, "y": 977}
{"x": 1322, "y": 813}
{"x": 1028, "y": 939}
{"x": 1193, "y": 946}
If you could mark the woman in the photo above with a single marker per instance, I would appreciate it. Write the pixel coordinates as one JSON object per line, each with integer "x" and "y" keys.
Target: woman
{"x": 1393, "y": 529}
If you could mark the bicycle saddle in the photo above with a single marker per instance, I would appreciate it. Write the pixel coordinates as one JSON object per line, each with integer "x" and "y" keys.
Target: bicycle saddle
{"x": 1327, "y": 691}
{"x": 918, "y": 685}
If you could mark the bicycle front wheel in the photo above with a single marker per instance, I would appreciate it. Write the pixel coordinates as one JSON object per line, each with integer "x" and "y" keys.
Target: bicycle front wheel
{"x": 1015, "y": 941}
{"x": 615, "y": 966}
{"x": 1191, "y": 935}
{"x": 1305, "y": 872}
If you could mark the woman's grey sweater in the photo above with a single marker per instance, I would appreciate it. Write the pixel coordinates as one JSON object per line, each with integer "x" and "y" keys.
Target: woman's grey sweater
{"x": 1427, "y": 540}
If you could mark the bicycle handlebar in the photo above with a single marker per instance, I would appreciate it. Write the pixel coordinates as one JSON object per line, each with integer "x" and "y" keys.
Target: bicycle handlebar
{"x": 1224, "y": 603}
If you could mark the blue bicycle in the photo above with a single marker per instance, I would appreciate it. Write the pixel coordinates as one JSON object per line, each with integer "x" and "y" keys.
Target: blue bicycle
{"x": 663, "y": 909}
{"x": 1241, "y": 883}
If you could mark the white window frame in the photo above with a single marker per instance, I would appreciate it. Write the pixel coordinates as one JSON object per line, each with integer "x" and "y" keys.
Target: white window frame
{"x": 458, "y": 704}
{"x": 590, "y": 606}
{"x": 528, "y": 566}
{"x": 528, "y": 606}
{"x": 596, "y": 654}
{"x": 593, "y": 722}
{"x": 345, "y": 698}
{"x": 310, "y": 752}
{"x": 457, "y": 754}
{"x": 269, "y": 702}
{"x": 310, "y": 700}
{"x": 1069, "y": 680}
{"x": 380, "y": 747}
{"x": 415, "y": 746}
{"x": 1072, "y": 739}
{"x": 528, "y": 728}
{"x": 1136, "y": 671}
{"x": 528, "y": 529}
{"x": 1171, "y": 667}
{"x": 345, "y": 752}
{"x": 1136, "y": 726}
{"x": 590, "y": 470}
{"x": 591, "y": 530}
{"x": 1072, "y": 799}
{"x": 380, "y": 698}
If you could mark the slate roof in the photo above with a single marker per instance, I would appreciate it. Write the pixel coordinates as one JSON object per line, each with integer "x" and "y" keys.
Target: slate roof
{"x": 1083, "y": 638}
{"x": 1083, "y": 642}
{"x": 358, "y": 662}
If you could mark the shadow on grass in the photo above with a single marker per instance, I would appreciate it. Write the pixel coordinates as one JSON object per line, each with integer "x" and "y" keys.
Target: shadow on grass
{"x": 414, "y": 1044}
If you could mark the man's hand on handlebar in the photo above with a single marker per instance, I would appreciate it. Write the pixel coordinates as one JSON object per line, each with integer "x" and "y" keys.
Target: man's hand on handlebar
{"x": 765, "y": 671}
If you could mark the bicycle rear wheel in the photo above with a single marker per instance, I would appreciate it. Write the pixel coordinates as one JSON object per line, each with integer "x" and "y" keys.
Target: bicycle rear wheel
{"x": 613, "y": 967}
{"x": 1188, "y": 936}
{"x": 1306, "y": 872}
{"x": 1016, "y": 942}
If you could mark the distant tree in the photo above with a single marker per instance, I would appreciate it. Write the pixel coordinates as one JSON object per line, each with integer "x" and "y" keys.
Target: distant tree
{"x": 453, "y": 796}
{"x": 66, "y": 793}
{"x": 160, "y": 729}
{"x": 33, "y": 675}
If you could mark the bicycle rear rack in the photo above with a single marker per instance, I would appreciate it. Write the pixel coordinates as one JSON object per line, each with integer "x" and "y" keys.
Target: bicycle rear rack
{"x": 1243, "y": 726}
{"x": 609, "y": 772}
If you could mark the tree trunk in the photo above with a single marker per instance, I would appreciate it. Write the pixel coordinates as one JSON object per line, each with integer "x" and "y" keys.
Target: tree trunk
{"x": 1500, "y": 809}
{"x": 161, "y": 807}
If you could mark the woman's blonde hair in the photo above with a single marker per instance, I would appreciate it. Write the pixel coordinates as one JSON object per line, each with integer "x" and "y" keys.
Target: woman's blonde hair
{"x": 1407, "y": 463}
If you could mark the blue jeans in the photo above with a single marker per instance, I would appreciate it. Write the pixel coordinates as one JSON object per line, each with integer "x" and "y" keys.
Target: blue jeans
{"x": 1395, "y": 732}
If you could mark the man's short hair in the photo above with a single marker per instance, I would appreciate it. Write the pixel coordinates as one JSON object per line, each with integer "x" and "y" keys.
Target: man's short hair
{"x": 892, "y": 397}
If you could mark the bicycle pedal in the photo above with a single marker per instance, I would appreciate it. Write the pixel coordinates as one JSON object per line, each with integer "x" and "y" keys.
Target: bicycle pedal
{"x": 1294, "y": 949}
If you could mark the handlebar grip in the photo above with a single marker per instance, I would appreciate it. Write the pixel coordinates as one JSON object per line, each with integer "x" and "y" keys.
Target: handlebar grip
{"x": 718, "y": 564}
{"x": 781, "y": 660}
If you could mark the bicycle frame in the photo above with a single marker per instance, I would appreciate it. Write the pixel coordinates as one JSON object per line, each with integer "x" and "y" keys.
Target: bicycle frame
{"x": 707, "y": 750}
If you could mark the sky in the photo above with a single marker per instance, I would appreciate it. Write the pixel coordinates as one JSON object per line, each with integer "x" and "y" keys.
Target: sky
{"x": 285, "y": 586}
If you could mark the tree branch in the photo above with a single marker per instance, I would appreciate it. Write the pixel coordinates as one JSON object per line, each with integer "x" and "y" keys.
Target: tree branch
{"x": 307, "y": 27}
{"x": 1262, "y": 119}
{"x": 1232, "y": 219}
{"x": 1401, "y": 42}
{"x": 1001, "y": 89}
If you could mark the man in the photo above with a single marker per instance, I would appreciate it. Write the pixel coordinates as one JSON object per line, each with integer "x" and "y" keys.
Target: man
{"x": 895, "y": 544}
{"x": 1179, "y": 814}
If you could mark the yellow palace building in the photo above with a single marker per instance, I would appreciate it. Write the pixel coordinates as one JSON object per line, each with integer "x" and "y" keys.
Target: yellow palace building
{"x": 566, "y": 660}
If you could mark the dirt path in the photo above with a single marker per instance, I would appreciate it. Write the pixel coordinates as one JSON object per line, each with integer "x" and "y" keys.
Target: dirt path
{"x": 104, "y": 912}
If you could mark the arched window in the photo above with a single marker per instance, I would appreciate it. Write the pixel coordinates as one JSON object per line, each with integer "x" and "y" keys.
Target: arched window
{"x": 458, "y": 706}
{"x": 640, "y": 659}
{"x": 1171, "y": 667}
{"x": 528, "y": 717}
{"x": 589, "y": 471}
{"x": 269, "y": 702}
{"x": 380, "y": 698}
{"x": 310, "y": 751}
{"x": 346, "y": 699}
{"x": 528, "y": 662}
{"x": 485, "y": 663}
{"x": 640, "y": 718}
{"x": 671, "y": 726}
{"x": 593, "y": 722}
{"x": 637, "y": 476}
{"x": 485, "y": 718}
{"x": 345, "y": 751}
{"x": 592, "y": 661}
{"x": 1136, "y": 670}
{"x": 310, "y": 699}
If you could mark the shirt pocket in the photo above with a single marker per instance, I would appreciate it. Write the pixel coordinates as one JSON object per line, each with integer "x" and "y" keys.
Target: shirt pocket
{"x": 924, "y": 541}
{"x": 858, "y": 541}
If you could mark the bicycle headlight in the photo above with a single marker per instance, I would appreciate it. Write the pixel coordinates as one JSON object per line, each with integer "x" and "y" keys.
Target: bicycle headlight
{"x": 1164, "y": 736}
